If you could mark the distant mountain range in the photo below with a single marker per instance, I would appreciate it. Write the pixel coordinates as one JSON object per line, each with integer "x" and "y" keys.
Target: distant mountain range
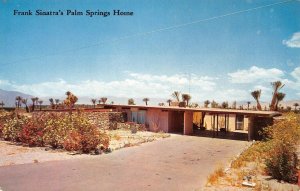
{"x": 8, "y": 97}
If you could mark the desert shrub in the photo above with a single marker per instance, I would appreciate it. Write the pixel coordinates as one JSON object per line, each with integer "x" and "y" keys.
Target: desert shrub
{"x": 73, "y": 141}
{"x": 57, "y": 127}
{"x": 282, "y": 165}
{"x": 12, "y": 127}
{"x": 3, "y": 117}
{"x": 33, "y": 131}
{"x": 283, "y": 138}
{"x": 89, "y": 135}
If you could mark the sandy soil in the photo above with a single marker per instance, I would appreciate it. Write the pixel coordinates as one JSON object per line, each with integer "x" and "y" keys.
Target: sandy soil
{"x": 13, "y": 154}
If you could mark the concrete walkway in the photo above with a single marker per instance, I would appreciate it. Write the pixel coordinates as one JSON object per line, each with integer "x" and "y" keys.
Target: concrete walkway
{"x": 175, "y": 163}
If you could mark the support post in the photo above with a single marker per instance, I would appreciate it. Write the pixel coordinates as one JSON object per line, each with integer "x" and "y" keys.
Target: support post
{"x": 188, "y": 123}
{"x": 217, "y": 124}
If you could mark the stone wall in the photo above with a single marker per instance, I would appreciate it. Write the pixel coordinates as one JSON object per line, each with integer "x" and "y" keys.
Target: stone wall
{"x": 106, "y": 120}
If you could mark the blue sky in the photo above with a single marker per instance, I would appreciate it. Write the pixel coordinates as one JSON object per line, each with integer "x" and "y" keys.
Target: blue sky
{"x": 223, "y": 59}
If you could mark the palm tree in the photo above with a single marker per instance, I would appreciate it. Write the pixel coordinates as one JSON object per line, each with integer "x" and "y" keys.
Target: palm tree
{"x": 146, "y": 100}
{"x": 279, "y": 97}
{"x": 24, "y": 101}
{"x": 186, "y": 98}
{"x": 161, "y": 104}
{"x": 176, "y": 95}
{"x": 131, "y": 101}
{"x": 94, "y": 102}
{"x": 234, "y": 105}
{"x": 224, "y": 104}
{"x": 169, "y": 101}
{"x": 40, "y": 103}
{"x": 296, "y": 105}
{"x": 276, "y": 87}
{"x": 18, "y": 101}
{"x": 248, "y": 104}
{"x": 2, "y": 104}
{"x": 103, "y": 100}
{"x": 206, "y": 103}
{"x": 214, "y": 104}
{"x": 51, "y": 103}
{"x": 256, "y": 95}
{"x": 34, "y": 101}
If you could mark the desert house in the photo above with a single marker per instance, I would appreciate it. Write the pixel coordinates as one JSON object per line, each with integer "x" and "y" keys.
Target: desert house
{"x": 183, "y": 120}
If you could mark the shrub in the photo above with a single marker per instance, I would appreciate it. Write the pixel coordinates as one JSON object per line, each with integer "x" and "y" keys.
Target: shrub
{"x": 57, "y": 127}
{"x": 13, "y": 126}
{"x": 283, "y": 138}
{"x": 73, "y": 141}
{"x": 4, "y": 116}
{"x": 90, "y": 135}
{"x": 282, "y": 165}
{"x": 33, "y": 131}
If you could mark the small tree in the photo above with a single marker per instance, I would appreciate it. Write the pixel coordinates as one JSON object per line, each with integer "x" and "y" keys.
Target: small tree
{"x": 70, "y": 100}
{"x": 276, "y": 87}
{"x": 176, "y": 95}
{"x": 186, "y": 98}
{"x": 94, "y": 102}
{"x": 103, "y": 100}
{"x": 34, "y": 101}
{"x": 224, "y": 104}
{"x": 51, "y": 103}
{"x": 169, "y": 101}
{"x": 146, "y": 100}
{"x": 296, "y": 105}
{"x": 279, "y": 97}
{"x": 131, "y": 101}
{"x": 161, "y": 104}
{"x": 40, "y": 103}
{"x": 248, "y": 104}
{"x": 256, "y": 95}
{"x": 234, "y": 105}
{"x": 18, "y": 101}
{"x": 206, "y": 103}
{"x": 2, "y": 104}
{"x": 24, "y": 101}
{"x": 214, "y": 104}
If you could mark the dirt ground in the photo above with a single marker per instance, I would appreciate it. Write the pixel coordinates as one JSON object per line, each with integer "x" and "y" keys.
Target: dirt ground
{"x": 175, "y": 163}
{"x": 13, "y": 154}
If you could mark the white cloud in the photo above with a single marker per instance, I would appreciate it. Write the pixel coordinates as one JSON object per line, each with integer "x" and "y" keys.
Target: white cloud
{"x": 135, "y": 85}
{"x": 296, "y": 73}
{"x": 255, "y": 74}
{"x": 294, "y": 41}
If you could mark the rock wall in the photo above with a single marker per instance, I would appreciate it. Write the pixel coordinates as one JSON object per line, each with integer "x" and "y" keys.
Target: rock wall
{"x": 106, "y": 120}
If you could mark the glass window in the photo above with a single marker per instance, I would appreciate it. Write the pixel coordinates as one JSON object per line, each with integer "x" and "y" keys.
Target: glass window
{"x": 239, "y": 122}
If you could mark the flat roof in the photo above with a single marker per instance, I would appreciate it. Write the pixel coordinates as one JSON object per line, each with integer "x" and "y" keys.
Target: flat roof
{"x": 207, "y": 110}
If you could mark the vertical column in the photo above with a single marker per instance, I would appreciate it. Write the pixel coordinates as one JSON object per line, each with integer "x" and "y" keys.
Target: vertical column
{"x": 188, "y": 123}
{"x": 250, "y": 128}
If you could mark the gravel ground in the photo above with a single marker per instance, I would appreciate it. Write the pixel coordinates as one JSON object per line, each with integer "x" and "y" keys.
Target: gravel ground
{"x": 13, "y": 154}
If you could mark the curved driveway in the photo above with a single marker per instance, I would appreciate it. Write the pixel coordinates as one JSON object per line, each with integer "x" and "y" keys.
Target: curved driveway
{"x": 175, "y": 163}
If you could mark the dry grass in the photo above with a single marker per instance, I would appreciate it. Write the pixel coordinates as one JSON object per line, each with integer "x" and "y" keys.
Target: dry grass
{"x": 214, "y": 178}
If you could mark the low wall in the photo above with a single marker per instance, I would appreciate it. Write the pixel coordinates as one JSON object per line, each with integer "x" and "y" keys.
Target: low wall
{"x": 106, "y": 120}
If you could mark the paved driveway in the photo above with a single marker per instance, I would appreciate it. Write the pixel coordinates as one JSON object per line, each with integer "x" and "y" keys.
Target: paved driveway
{"x": 176, "y": 163}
